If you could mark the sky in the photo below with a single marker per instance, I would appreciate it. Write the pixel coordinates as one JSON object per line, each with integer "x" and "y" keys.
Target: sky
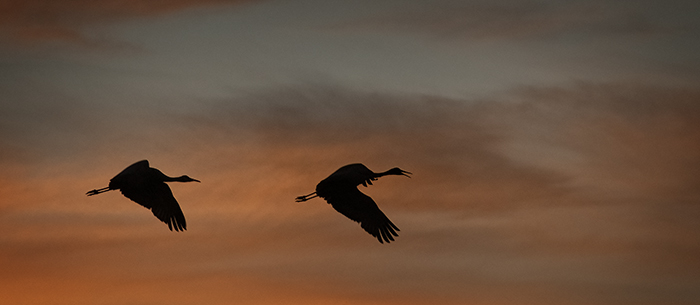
{"x": 554, "y": 146}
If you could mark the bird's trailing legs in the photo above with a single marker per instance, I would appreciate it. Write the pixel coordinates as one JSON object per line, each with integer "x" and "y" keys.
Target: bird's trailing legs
{"x": 100, "y": 191}
{"x": 306, "y": 197}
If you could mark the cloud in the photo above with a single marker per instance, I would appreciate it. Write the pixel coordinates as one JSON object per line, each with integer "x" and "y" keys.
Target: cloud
{"x": 620, "y": 138}
{"x": 587, "y": 144}
{"x": 516, "y": 19}
{"x": 541, "y": 142}
{"x": 325, "y": 128}
{"x": 614, "y": 146}
{"x": 63, "y": 20}
{"x": 559, "y": 191}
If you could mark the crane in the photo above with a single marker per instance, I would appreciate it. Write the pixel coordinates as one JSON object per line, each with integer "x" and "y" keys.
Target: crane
{"x": 146, "y": 186}
{"x": 341, "y": 192}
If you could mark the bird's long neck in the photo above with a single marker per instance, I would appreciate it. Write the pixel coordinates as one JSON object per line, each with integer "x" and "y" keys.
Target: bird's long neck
{"x": 382, "y": 174}
{"x": 177, "y": 179}
{"x": 394, "y": 171}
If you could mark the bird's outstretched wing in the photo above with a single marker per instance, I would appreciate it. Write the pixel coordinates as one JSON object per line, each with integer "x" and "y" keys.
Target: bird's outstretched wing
{"x": 361, "y": 208}
{"x": 160, "y": 200}
{"x": 125, "y": 176}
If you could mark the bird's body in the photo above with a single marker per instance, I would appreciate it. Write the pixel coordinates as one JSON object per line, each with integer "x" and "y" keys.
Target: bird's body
{"x": 340, "y": 191}
{"x": 146, "y": 186}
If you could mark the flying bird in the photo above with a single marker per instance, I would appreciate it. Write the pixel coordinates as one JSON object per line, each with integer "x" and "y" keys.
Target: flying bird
{"x": 146, "y": 186}
{"x": 340, "y": 191}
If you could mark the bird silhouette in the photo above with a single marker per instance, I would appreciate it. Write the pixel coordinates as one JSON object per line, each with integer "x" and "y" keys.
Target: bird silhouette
{"x": 340, "y": 191}
{"x": 146, "y": 186}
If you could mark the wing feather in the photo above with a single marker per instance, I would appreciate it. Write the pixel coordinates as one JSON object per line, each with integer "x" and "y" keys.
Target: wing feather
{"x": 361, "y": 208}
{"x": 158, "y": 198}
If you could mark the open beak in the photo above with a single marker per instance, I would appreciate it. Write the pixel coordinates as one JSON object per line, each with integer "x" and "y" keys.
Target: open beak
{"x": 405, "y": 173}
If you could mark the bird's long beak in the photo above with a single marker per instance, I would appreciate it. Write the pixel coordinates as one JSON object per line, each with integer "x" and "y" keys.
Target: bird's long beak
{"x": 405, "y": 173}
{"x": 196, "y": 180}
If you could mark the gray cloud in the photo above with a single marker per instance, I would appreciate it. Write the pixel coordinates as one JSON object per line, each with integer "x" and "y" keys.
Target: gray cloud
{"x": 610, "y": 139}
{"x": 442, "y": 139}
{"x": 577, "y": 171}
{"x": 518, "y": 19}
{"x": 624, "y": 139}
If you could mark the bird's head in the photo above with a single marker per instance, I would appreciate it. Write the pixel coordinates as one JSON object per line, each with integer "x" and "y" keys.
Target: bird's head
{"x": 398, "y": 171}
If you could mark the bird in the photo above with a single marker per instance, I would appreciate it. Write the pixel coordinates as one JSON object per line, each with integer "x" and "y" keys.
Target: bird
{"x": 341, "y": 192}
{"x": 146, "y": 186}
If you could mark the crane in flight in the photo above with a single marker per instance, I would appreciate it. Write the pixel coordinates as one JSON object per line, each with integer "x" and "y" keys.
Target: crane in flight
{"x": 340, "y": 191}
{"x": 146, "y": 186}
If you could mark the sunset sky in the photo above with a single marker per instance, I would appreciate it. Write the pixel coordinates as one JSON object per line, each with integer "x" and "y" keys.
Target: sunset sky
{"x": 554, "y": 146}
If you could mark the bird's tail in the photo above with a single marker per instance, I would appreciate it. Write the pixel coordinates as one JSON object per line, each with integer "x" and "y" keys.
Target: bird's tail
{"x": 306, "y": 197}
{"x": 97, "y": 191}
